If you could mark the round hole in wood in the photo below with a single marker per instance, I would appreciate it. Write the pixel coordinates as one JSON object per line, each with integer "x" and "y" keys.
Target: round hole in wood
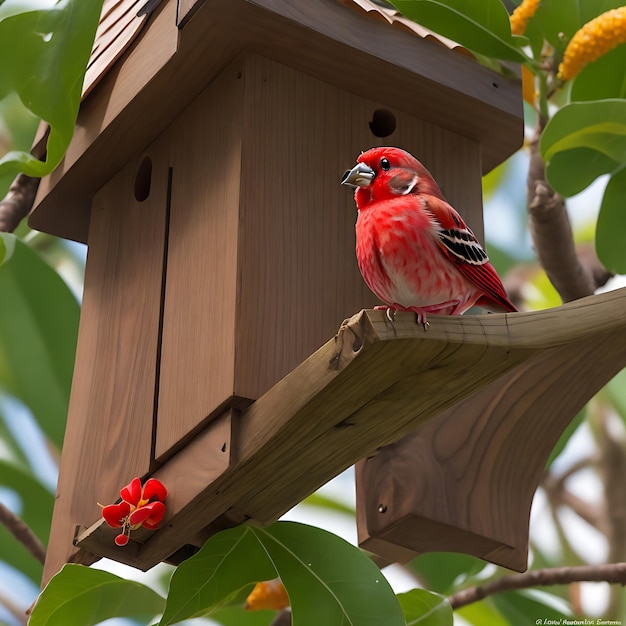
{"x": 383, "y": 123}
{"x": 143, "y": 179}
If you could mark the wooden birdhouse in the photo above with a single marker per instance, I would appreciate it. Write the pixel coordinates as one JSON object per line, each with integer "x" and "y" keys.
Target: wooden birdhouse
{"x": 204, "y": 177}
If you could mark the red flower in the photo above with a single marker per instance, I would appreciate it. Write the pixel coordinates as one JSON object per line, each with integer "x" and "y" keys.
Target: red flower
{"x": 139, "y": 507}
{"x": 115, "y": 515}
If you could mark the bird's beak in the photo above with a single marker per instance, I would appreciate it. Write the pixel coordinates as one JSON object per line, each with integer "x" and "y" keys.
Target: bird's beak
{"x": 360, "y": 175}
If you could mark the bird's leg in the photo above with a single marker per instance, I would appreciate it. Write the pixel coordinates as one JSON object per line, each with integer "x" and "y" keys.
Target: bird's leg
{"x": 420, "y": 317}
{"x": 390, "y": 311}
{"x": 420, "y": 312}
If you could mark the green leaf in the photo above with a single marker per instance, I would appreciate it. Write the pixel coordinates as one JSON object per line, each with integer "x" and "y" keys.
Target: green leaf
{"x": 7, "y": 246}
{"x": 37, "y": 500}
{"x": 481, "y": 613}
{"x": 210, "y": 579}
{"x": 610, "y": 229}
{"x": 602, "y": 79}
{"x": 443, "y": 572}
{"x": 236, "y": 616}
{"x": 36, "y": 511}
{"x": 560, "y": 19}
{"x": 523, "y": 607}
{"x": 535, "y": 38}
{"x": 544, "y": 295}
{"x": 18, "y": 127}
{"x": 80, "y": 595}
{"x": 425, "y": 608}
{"x": 328, "y": 580}
{"x": 592, "y": 8}
{"x": 597, "y": 127}
{"x": 10, "y": 449}
{"x": 493, "y": 180}
{"x": 481, "y": 26}
{"x": 38, "y": 329}
{"x": 572, "y": 171}
{"x": 599, "y": 124}
{"x": 44, "y": 49}
{"x": 318, "y": 499}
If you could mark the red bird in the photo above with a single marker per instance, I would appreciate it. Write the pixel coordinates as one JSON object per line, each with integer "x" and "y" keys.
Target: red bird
{"x": 414, "y": 250}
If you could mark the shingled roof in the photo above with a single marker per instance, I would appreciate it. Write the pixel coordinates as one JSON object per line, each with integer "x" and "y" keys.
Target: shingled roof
{"x": 121, "y": 23}
{"x": 396, "y": 19}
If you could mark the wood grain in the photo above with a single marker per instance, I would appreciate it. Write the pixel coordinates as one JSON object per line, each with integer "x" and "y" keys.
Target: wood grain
{"x": 298, "y": 273}
{"x": 261, "y": 238}
{"x": 109, "y": 428}
{"x": 465, "y": 481}
{"x": 119, "y": 25}
{"x": 260, "y": 265}
{"x": 376, "y": 382}
{"x": 161, "y": 75}
{"x": 124, "y": 88}
{"x": 186, "y": 474}
{"x": 198, "y": 345}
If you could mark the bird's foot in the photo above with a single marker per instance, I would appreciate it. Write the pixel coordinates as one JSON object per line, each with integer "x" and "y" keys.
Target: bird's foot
{"x": 390, "y": 311}
{"x": 420, "y": 317}
{"x": 444, "y": 308}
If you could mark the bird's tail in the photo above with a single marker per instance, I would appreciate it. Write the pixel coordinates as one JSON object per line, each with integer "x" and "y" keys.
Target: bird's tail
{"x": 497, "y": 305}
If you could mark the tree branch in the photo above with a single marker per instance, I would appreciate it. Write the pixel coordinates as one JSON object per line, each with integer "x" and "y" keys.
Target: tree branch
{"x": 612, "y": 470}
{"x": 592, "y": 265}
{"x": 609, "y": 572}
{"x": 517, "y": 278}
{"x": 11, "y": 607}
{"x": 22, "y": 532}
{"x": 551, "y": 230}
{"x": 18, "y": 202}
{"x": 594, "y": 513}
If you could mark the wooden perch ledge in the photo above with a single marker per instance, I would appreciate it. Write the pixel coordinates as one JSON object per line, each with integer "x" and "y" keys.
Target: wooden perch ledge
{"x": 509, "y": 383}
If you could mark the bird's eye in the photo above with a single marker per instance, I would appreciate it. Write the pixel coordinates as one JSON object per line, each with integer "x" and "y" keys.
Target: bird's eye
{"x": 384, "y": 164}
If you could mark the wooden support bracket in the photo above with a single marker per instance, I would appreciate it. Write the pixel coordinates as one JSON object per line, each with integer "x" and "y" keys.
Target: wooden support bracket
{"x": 464, "y": 482}
{"x": 501, "y": 387}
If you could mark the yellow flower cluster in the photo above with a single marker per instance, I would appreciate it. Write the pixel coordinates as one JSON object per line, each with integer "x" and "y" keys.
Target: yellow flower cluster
{"x": 592, "y": 41}
{"x": 519, "y": 18}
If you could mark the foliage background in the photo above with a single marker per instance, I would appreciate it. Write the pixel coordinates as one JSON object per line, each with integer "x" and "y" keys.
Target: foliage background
{"x": 579, "y": 513}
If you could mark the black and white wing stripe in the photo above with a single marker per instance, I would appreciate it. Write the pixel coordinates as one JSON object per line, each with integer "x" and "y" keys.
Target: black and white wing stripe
{"x": 463, "y": 245}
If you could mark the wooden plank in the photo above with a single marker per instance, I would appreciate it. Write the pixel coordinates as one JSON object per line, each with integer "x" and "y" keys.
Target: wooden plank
{"x": 330, "y": 411}
{"x": 206, "y": 458}
{"x": 197, "y": 359}
{"x": 245, "y": 228}
{"x": 186, "y": 9}
{"x": 298, "y": 273}
{"x": 109, "y": 429}
{"x": 119, "y": 26}
{"x": 440, "y": 73}
{"x": 69, "y": 190}
{"x": 141, "y": 96}
{"x": 465, "y": 480}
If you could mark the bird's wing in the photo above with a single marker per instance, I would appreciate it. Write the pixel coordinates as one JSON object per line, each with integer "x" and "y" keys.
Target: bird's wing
{"x": 458, "y": 242}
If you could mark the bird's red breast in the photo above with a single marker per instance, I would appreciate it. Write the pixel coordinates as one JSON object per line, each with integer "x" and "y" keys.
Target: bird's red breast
{"x": 414, "y": 250}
